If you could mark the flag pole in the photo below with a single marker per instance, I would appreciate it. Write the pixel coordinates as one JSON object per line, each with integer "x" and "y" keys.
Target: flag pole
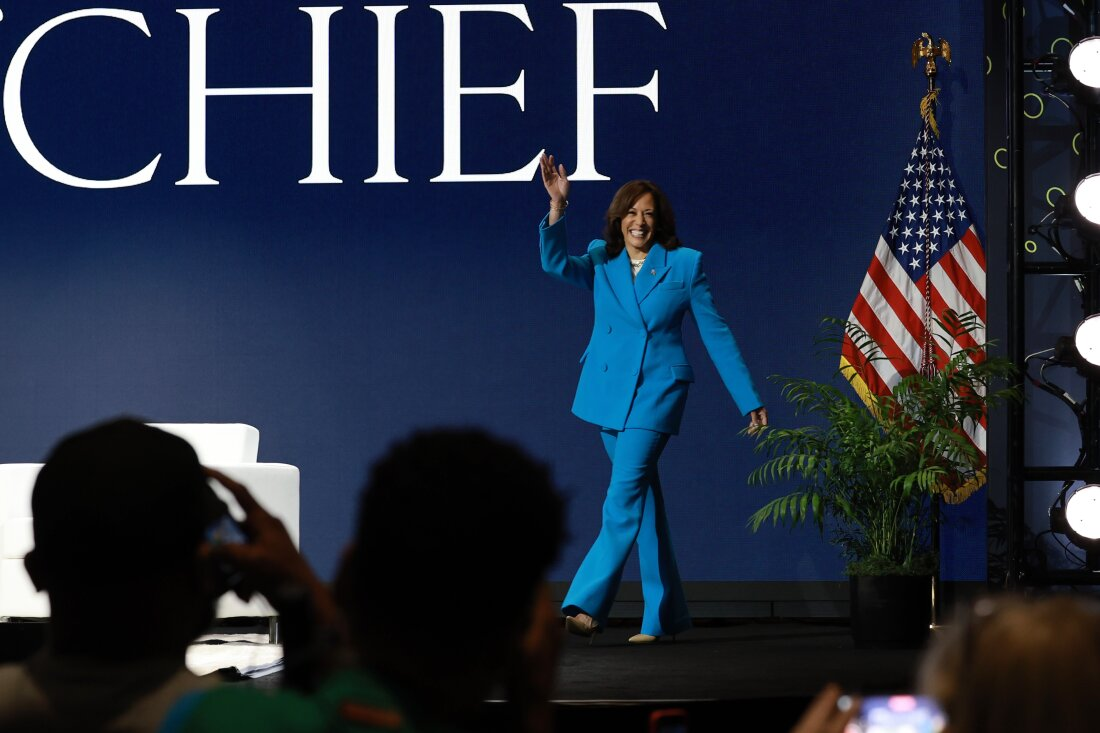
{"x": 925, "y": 48}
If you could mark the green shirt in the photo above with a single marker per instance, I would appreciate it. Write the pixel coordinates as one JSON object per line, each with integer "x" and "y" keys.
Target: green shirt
{"x": 351, "y": 701}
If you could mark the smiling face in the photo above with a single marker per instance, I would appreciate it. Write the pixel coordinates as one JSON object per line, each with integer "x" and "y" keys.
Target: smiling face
{"x": 639, "y": 224}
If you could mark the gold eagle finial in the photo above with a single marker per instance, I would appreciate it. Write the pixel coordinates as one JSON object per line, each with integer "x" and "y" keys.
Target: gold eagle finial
{"x": 924, "y": 47}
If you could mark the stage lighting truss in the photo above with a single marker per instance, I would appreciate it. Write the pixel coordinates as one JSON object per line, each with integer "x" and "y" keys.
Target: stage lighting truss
{"x": 1066, "y": 353}
{"x": 1077, "y": 75}
{"x": 1076, "y": 515}
{"x": 1080, "y": 352}
{"x": 1073, "y": 80}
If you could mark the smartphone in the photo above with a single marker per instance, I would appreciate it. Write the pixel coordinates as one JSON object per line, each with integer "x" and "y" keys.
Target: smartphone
{"x": 221, "y": 527}
{"x": 224, "y": 530}
{"x": 668, "y": 720}
{"x": 902, "y": 713}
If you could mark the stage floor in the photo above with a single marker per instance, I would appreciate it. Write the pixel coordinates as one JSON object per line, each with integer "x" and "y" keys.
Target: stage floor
{"x": 729, "y": 661}
{"x": 724, "y": 674}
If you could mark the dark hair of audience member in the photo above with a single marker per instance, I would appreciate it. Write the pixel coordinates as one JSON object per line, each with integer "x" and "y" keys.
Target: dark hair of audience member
{"x": 456, "y": 532}
{"x": 1016, "y": 665}
{"x": 119, "y": 511}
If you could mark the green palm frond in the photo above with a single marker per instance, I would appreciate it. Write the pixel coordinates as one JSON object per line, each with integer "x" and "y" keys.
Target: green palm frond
{"x": 874, "y": 475}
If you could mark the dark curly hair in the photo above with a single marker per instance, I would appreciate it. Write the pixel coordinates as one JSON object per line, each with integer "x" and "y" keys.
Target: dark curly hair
{"x": 665, "y": 231}
{"x": 451, "y": 518}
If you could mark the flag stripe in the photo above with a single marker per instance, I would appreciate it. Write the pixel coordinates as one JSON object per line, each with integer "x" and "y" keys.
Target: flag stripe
{"x": 974, "y": 246}
{"x": 951, "y": 268}
{"x": 881, "y": 326}
{"x": 854, "y": 360}
{"x": 876, "y": 381}
{"x": 940, "y": 305}
{"x": 879, "y": 284}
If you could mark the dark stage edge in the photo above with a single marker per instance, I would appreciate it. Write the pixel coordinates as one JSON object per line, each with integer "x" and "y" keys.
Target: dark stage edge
{"x": 724, "y": 673}
{"x": 729, "y": 661}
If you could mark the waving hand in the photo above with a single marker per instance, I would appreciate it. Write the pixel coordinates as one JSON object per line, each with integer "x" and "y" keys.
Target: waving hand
{"x": 557, "y": 185}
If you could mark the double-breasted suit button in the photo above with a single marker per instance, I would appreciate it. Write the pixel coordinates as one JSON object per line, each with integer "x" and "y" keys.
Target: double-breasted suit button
{"x": 604, "y": 368}
{"x": 634, "y": 372}
{"x": 609, "y": 329}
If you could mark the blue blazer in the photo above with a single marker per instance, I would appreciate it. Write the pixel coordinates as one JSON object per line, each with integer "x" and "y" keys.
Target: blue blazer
{"x": 634, "y": 373}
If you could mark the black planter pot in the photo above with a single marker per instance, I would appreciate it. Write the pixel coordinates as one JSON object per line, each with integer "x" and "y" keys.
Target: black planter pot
{"x": 890, "y": 611}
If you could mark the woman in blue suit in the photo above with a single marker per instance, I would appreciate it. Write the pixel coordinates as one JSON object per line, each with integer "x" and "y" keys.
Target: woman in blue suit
{"x": 634, "y": 384}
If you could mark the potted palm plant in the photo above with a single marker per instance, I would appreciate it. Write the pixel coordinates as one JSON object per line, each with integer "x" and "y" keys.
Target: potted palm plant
{"x": 873, "y": 475}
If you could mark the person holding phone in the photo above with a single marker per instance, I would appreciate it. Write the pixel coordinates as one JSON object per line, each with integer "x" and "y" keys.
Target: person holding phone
{"x": 900, "y": 712}
{"x": 436, "y": 510}
{"x": 1007, "y": 663}
{"x": 120, "y": 510}
{"x": 633, "y": 385}
{"x": 1017, "y": 664}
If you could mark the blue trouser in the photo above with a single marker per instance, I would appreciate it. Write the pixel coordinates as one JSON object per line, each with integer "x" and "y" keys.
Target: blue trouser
{"x": 634, "y": 510}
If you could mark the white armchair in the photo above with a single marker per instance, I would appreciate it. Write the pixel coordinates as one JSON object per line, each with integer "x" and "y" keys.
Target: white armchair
{"x": 232, "y": 448}
{"x": 18, "y": 597}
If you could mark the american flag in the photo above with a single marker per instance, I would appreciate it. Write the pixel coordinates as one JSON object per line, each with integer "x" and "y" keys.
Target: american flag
{"x": 928, "y": 260}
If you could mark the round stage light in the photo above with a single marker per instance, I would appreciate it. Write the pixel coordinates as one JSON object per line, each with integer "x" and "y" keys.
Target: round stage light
{"x": 1084, "y": 62}
{"x": 1086, "y": 197}
{"x": 1086, "y": 339}
{"x": 1083, "y": 512}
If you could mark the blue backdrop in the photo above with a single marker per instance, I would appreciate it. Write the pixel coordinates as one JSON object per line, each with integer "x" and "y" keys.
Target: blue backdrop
{"x": 337, "y": 316}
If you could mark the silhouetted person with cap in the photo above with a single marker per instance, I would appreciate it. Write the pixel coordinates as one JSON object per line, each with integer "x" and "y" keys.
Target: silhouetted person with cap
{"x": 443, "y": 594}
{"x": 119, "y": 515}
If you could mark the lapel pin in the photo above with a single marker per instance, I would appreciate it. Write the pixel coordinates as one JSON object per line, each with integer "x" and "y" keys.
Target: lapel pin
{"x": 652, "y": 272}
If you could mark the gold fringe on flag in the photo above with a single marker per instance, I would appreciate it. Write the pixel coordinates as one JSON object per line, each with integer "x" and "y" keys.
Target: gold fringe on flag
{"x": 961, "y": 494}
{"x": 862, "y": 390}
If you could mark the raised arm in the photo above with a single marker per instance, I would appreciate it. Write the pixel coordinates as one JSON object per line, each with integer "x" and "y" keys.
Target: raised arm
{"x": 557, "y": 185}
{"x": 553, "y": 243}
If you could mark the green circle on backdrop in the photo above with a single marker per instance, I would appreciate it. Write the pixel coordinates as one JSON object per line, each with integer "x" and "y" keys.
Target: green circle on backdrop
{"x": 1042, "y": 106}
{"x": 1056, "y": 41}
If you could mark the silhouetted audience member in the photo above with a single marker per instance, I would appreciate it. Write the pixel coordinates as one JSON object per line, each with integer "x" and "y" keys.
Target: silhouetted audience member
{"x": 1007, "y": 664}
{"x": 119, "y": 512}
{"x": 443, "y": 591}
{"x": 1018, "y": 665}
